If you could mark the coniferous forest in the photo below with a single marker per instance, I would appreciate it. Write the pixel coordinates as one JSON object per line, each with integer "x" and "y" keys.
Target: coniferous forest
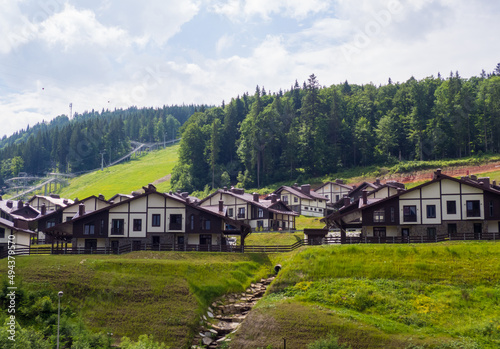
{"x": 266, "y": 137}
{"x": 261, "y": 138}
{"x": 72, "y": 146}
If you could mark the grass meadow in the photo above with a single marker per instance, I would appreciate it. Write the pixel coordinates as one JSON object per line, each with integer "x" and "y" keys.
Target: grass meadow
{"x": 158, "y": 293}
{"x": 154, "y": 167}
{"x": 388, "y": 296}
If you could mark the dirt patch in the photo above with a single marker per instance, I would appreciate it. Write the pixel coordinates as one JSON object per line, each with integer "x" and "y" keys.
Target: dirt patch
{"x": 425, "y": 175}
{"x": 162, "y": 179}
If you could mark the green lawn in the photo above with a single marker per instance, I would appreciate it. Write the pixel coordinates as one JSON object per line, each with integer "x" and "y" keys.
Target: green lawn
{"x": 396, "y": 296}
{"x": 159, "y": 293}
{"x": 126, "y": 177}
{"x": 273, "y": 238}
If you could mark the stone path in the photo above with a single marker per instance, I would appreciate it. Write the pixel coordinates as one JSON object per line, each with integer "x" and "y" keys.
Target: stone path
{"x": 225, "y": 316}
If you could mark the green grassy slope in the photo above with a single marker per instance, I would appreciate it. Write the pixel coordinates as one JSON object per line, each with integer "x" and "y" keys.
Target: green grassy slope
{"x": 423, "y": 296}
{"x": 126, "y": 177}
{"x": 158, "y": 293}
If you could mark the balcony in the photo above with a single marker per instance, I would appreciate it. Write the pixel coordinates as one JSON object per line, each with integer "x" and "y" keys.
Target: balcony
{"x": 117, "y": 231}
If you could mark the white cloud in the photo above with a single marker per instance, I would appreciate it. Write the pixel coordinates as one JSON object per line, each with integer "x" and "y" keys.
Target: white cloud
{"x": 237, "y": 10}
{"x": 224, "y": 42}
{"x": 72, "y": 27}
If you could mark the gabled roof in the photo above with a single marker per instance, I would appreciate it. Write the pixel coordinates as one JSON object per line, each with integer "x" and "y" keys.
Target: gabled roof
{"x": 298, "y": 192}
{"x": 334, "y": 183}
{"x": 55, "y": 199}
{"x": 16, "y": 211}
{"x": 263, "y": 203}
{"x": 76, "y": 203}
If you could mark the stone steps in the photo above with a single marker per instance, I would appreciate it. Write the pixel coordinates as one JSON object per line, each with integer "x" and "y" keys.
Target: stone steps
{"x": 229, "y": 314}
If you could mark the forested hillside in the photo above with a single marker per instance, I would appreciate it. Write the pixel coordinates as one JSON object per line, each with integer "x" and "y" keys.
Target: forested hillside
{"x": 75, "y": 145}
{"x": 312, "y": 130}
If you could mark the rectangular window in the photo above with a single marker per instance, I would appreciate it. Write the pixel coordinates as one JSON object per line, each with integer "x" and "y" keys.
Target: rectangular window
{"x": 89, "y": 229}
{"x": 175, "y": 222}
{"x": 473, "y": 208}
{"x": 409, "y": 213}
{"x": 379, "y": 216}
{"x": 295, "y": 199}
{"x": 51, "y": 223}
{"x": 284, "y": 198}
{"x": 452, "y": 229}
{"x": 379, "y": 232}
{"x": 491, "y": 209}
{"x": 117, "y": 227}
{"x": 207, "y": 224}
{"x": 103, "y": 226}
{"x": 431, "y": 233}
{"x": 451, "y": 207}
{"x": 241, "y": 212}
{"x": 2, "y": 233}
{"x": 337, "y": 198}
{"x": 431, "y": 211}
{"x": 261, "y": 213}
{"x": 137, "y": 224}
{"x": 260, "y": 224}
{"x": 156, "y": 220}
{"x": 230, "y": 213}
{"x": 393, "y": 216}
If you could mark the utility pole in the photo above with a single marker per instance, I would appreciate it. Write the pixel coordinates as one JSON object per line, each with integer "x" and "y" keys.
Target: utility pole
{"x": 102, "y": 159}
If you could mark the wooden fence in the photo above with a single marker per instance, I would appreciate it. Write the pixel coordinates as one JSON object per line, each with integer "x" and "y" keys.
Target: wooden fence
{"x": 252, "y": 249}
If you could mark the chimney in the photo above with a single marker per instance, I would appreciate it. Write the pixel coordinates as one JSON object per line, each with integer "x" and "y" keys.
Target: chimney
{"x": 494, "y": 183}
{"x": 221, "y": 205}
{"x": 187, "y": 200}
{"x": 365, "y": 197}
{"x": 347, "y": 201}
{"x": 81, "y": 209}
{"x": 339, "y": 181}
{"x": 255, "y": 197}
{"x": 76, "y": 200}
{"x": 20, "y": 204}
{"x": 185, "y": 194}
{"x": 306, "y": 189}
{"x": 353, "y": 187}
{"x": 296, "y": 185}
{"x": 485, "y": 180}
{"x": 65, "y": 201}
{"x": 437, "y": 173}
{"x": 43, "y": 210}
{"x": 101, "y": 197}
{"x": 225, "y": 188}
{"x": 274, "y": 197}
{"x": 377, "y": 181}
{"x": 9, "y": 204}
{"x": 473, "y": 177}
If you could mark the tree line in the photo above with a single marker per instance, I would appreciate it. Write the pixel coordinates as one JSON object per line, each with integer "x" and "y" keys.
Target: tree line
{"x": 76, "y": 145}
{"x": 313, "y": 130}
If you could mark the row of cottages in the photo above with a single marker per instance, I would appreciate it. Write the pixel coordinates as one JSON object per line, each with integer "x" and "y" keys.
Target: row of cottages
{"x": 16, "y": 218}
{"x": 335, "y": 192}
{"x": 443, "y": 206}
{"x": 260, "y": 214}
{"x": 150, "y": 218}
{"x": 303, "y": 200}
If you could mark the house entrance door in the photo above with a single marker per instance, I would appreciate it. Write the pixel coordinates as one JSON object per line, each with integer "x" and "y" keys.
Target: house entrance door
{"x": 478, "y": 230}
{"x": 90, "y": 245}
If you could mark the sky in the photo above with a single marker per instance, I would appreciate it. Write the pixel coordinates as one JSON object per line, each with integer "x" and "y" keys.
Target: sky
{"x": 111, "y": 54}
